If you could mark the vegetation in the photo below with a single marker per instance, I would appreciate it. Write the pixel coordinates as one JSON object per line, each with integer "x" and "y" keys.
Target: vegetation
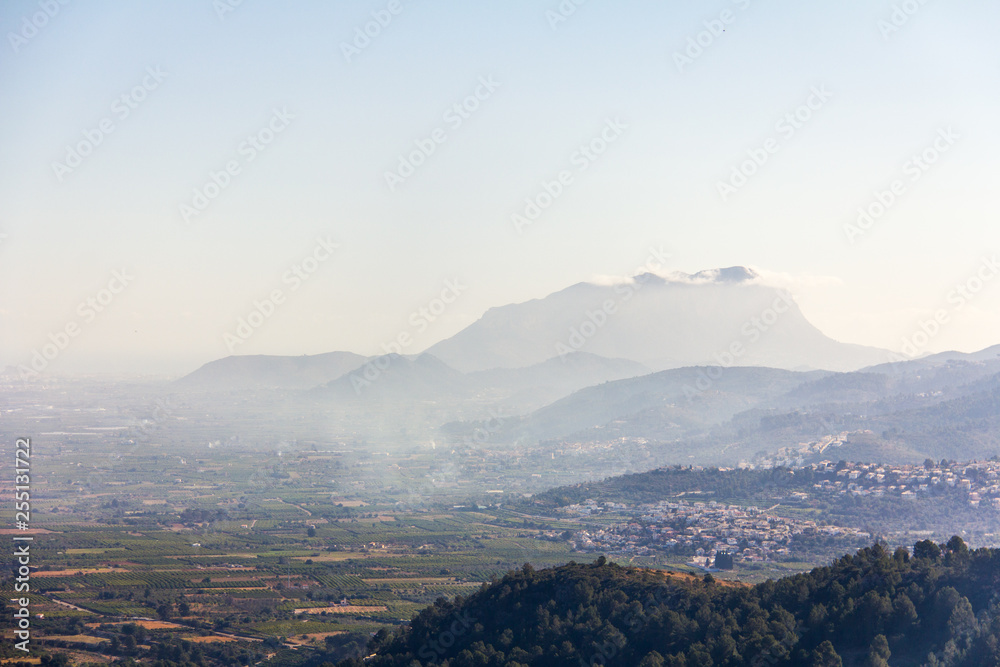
{"x": 941, "y": 509}
{"x": 289, "y": 547}
{"x": 938, "y": 607}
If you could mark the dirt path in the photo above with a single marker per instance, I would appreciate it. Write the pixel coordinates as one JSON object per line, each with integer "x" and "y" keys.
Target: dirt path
{"x": 298, "y": 507}
{"x": 71, "y": 606}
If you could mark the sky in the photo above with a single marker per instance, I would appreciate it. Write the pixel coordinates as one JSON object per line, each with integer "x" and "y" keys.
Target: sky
{"x": 187, "y": 180}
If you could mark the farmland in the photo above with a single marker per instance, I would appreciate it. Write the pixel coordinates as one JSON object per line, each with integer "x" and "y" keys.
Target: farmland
{"x": 167, "y": 530}
{"x": 283, "y": 567}
{"x": 242, "y": 550}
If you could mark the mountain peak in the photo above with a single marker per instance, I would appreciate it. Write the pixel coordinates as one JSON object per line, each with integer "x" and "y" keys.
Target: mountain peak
{"x": 660, "y": 321}
{"x": 732, "y": 274}
{"x": 727, "y": 276}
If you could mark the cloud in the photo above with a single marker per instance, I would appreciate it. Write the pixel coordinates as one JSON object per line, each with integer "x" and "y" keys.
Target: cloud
{"x": 609, "y": 281}
{"x": 795, "y": 283}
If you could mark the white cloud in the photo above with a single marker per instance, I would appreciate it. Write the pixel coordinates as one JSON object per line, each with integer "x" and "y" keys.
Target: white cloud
{"x": 795, "y": 283}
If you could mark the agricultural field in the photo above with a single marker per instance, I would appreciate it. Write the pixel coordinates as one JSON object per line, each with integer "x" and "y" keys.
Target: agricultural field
{"x": 182, "y": 533}
{"x": 141, "y": 552}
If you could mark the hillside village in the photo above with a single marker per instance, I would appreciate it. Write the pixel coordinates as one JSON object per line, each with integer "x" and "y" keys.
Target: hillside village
{"x": 700, "y": 529}
{"x": 751, "y": 534}
{"x": 980, "y": 480}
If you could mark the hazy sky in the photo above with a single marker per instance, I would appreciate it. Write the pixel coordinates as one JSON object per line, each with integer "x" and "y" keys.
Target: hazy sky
{"x": 309, "y": 114}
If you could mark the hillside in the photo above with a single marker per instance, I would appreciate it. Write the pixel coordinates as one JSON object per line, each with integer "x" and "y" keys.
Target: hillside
{"x": 811, "y": 491}
{"x": 669, "y": 394}
{"x": 394, "y": 377}
{"x": 942, "y": 406}
{"x": 937, "y": 607}
{"x": 660, "y": 322}
{"x": 528, "y": 388}
{"x": 240, "y": 373}
{"x": 914, "y": 410}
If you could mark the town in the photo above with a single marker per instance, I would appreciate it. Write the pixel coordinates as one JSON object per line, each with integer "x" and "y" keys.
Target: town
{"x": 700, "y": 529}
{"x": 980, "y": 480}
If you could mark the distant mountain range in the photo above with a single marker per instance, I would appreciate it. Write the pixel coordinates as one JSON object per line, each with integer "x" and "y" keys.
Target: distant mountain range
{"x": 275, "y": 372}
{"x": 650, "y": 323}
{"x": 713, "y": 363}
{"x": 425, "y": 377}
{"x": 672, "y": 396}
{"x": 942, "y": 407}
{"x": 724, "y": 317}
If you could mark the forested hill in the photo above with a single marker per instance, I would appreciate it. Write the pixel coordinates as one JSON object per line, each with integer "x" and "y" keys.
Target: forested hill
{"x": 656, "y": 485}
{"x": 938, "y": 607}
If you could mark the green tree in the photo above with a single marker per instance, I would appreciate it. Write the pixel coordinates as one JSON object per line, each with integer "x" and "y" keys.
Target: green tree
{"x": 957, "y": 545}
{"x": 926, "y": 549}
{"x": 652, "y": 659}
{"x": 878, "y": 652}
{"x": 825, "y": 655}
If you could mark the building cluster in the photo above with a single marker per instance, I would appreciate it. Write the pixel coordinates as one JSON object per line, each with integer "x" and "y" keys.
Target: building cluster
{"x": 979, "y": 481}
{"x": 794, "y": 456}
{"x": 699, "y": 529}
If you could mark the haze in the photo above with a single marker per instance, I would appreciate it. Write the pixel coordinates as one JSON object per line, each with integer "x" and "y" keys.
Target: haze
{"x": 296, "y": 133}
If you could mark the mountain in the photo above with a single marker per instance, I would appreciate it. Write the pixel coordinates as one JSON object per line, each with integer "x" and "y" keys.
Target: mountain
{"x": 409, "y": 382}
{"x": 529, "y": 388}
{"x": 910, "y": 410}
{"x": 937, "y": 406}
{"x": 668, "y": 395}
{"x": 947, "y": 377}
{"x": 243, "y": 372}
{"x": 962, "y": 423}
{"x": 428, "y": 378}
{"x": 989, "y": 354}
{"x": 688, "y": 398}
{"x": 348, "y": 376}
{"x": 723, "y": 316}
{"x": 395, "y": 377}
{"x": 934, "y": 607}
